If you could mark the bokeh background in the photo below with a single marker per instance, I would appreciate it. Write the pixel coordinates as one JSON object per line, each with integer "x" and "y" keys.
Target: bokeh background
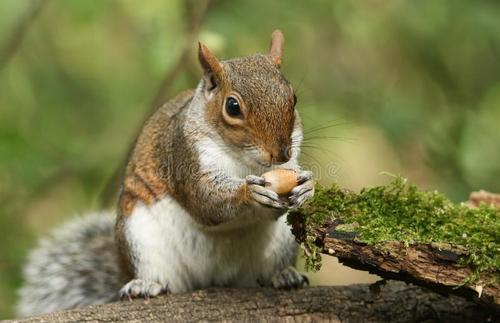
{"x": 407, "y": 87}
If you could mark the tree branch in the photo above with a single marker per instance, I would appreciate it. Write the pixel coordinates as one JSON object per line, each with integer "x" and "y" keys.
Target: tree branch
{"x": 12, "y": 44}
{"x": 395, "y": 302}
{"x": 196, "y": 14}
{"x": 363, "y": 231}
{"x": 435, "y": 266}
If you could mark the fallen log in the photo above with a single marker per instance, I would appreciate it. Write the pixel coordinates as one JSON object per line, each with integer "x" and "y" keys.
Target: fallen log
{"x": 435, "y": 266}
{"x": 401, "y": 233}
{"x": 393, "y": 302}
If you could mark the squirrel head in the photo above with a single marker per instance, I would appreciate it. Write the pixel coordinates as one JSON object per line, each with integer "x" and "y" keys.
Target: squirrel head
{"x": 249, "y": 103}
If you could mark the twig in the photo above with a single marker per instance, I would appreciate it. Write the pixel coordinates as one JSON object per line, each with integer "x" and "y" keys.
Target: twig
{"x": 14, "y": 41}
{"x": 192, "y": 30}
{"x": 196, "y": 12}
{"x": 476, "y": 198}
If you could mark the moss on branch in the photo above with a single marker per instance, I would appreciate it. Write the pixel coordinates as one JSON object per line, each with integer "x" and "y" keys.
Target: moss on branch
{"x": 401, "y": 212}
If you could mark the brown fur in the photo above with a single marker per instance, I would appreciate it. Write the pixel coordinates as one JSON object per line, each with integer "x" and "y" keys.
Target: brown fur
{"x": 164, "y": 160}
{"x": 267, "y": 97}
{"x": 143, "y": 181}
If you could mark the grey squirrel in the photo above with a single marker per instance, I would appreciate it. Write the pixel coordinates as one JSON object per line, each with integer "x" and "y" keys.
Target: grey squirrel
{"x": 192, "y": 211}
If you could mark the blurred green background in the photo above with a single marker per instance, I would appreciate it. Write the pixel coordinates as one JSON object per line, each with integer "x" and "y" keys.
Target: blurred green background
{"x": 408, "y": 87}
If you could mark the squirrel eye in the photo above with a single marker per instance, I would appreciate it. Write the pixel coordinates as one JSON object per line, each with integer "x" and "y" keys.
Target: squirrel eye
{"x": 233, "y": 107}
{"x": 294, "y": 100}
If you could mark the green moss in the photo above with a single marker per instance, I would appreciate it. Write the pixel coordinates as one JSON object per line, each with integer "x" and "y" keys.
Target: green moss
{"x": 401, "y": 212}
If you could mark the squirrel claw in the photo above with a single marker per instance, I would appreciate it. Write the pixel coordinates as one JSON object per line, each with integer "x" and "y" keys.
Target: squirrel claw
{"x": 141, "y": 288}
{"x": 255, "y": 180}
{"x": 303, "y": 191}
{"x": 289, "y": 278}
{"x": 304, "y": 176}
{"x": 265, "y": 196}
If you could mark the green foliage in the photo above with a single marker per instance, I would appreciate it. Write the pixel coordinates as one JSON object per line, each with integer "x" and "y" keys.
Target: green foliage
{"x": 424, "y": 74}
{"x": 401, "y": 212}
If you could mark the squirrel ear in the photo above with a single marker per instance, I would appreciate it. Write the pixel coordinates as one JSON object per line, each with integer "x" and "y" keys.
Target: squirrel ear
{"x": 276, "y": 48}
{"x": 210, "y": 63}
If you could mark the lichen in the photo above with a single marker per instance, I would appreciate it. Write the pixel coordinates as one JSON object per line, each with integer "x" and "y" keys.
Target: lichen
{"x": 401, "y": 212}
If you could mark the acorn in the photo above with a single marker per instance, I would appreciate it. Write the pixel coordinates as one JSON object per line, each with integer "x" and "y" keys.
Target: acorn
{"x": 281, "y": 181}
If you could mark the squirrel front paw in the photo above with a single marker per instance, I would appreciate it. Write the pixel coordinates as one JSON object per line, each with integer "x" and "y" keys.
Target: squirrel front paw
{"x": 262, "y": 195}
{"x": 289, "y": 278}
{"x": 303, "y": 191}
{"x": 141, "y": 288}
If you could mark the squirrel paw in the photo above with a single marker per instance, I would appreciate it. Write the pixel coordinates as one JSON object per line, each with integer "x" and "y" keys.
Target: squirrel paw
{"x": 141, "y": 288}
{"x": 262, "y": 195}
{"x": 289, "y": 278}
{"x": 303, "y": 191}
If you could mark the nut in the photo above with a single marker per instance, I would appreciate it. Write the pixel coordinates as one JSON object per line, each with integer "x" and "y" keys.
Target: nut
{"x": 281, "y": 181}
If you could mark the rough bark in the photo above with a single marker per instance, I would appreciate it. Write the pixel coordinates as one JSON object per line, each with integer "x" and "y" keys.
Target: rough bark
{"x": 392, "y": 302}
{"x": 435, "y": 266}
{"x": 440, "y": 267}
{"x": 479, "y": 197}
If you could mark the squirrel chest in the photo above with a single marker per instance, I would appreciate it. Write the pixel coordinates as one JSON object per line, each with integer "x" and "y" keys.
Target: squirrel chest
{"x": 179, "y": 247}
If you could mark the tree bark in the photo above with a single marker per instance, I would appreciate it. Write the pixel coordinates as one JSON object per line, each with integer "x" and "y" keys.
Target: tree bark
{"x": 438, "y": 266}
{"x": 435, "y": 266}
{"x": 392, "y": 302}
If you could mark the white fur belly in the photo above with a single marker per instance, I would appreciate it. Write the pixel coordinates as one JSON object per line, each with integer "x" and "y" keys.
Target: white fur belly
{"x": 173, "y": 250}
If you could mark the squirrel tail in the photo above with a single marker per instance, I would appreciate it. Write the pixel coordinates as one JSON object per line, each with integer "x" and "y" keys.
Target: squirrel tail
{"x": 76, "y": 266}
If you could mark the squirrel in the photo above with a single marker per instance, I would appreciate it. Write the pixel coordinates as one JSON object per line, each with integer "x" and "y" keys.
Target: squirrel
{"x": 192, "y": 212}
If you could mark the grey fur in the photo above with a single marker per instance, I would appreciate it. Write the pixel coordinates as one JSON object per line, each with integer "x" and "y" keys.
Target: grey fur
{"x": 289, "y": 278}
{"x": 78, "y": 264}
{"x": 75, "y": 266}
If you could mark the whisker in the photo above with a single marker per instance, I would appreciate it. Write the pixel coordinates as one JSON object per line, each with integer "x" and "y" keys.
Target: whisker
{"x": 314, "y": 159}
{"x": 319, "y": 137}
{"x": 330, "y": 154}
{"x": 325, "y": 126}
